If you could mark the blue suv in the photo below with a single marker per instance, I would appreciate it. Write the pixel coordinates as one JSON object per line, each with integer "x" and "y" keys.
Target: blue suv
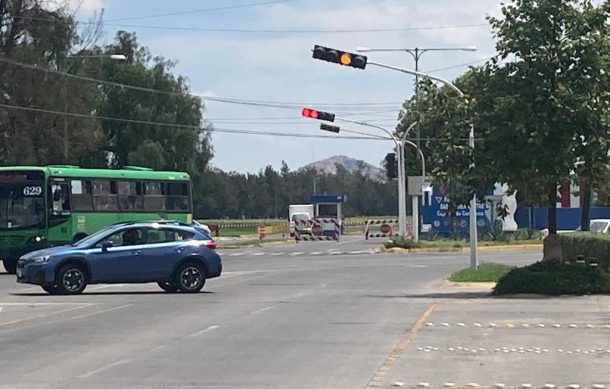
{"x": 177, "y": 256}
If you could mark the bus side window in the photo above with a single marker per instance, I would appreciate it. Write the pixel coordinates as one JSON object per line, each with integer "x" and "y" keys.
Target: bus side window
{"x": 154, "y": 199}
{"x": 176, "y": 198}
{"x": 130, "y": 195}
{"x": 61, "y": 198}
{"x": 81, "y": 195}
{"x": 104, "y": 197}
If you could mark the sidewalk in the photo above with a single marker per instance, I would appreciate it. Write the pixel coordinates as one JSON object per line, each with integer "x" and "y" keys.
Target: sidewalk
{"x": 525, "y": 341}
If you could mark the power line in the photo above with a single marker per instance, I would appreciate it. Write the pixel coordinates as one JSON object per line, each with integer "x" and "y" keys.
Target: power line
{"x": 267, "y": 31}
{"x": 279, "y": 31}
{"x": 202, "y": 10}
{"x": 174, "y": 125}
{"x": 262, "y": 103}
{"x": 460, "y": 65}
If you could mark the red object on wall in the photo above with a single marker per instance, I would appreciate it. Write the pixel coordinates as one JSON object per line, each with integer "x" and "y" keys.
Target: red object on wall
{"x": 565, "y": 195}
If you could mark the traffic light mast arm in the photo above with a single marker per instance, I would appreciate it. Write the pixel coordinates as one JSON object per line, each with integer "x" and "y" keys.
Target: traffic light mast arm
{"x": 415, "y": 73}
{"x": 391, "y": 136}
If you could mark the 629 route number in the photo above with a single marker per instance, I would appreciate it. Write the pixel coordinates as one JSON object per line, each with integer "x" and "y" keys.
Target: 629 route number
{"x": 32, "y": 190}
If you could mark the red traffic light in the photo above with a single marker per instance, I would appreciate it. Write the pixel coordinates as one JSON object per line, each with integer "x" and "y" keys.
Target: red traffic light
{"x": 309, "y": 113}
{"x": 313, "y": 114}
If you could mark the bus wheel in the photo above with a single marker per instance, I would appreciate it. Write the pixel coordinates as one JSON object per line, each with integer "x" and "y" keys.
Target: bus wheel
{"x": 78, "y": 237}
{"x": 10, "y": 265}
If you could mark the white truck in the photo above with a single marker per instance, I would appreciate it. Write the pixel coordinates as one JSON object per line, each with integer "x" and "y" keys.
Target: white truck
{"x": 297, "y": 214}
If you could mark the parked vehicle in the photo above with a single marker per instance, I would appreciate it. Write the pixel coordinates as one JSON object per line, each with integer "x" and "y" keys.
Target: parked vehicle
{"x": 298, "y": 216}
{"x": 600, "y": 225}
{"x": 177, "y": 256}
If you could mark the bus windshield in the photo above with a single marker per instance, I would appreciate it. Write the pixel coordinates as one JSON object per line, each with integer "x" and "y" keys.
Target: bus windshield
{"x": 21, "y": 204}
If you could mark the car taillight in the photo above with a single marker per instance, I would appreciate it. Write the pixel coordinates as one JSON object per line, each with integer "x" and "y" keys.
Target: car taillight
{"x": 210, "y": 244}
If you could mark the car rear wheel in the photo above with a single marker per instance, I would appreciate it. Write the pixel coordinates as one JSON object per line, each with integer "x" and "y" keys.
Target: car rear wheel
{"x": 71, "y": 279}
{"x": 190, "y": 277}
{"x": 170, "y": 287}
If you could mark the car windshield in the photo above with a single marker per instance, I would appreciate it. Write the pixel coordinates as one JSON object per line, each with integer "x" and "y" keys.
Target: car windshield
{"x": 598, "y": 226}
{"x": 21, "y": 204}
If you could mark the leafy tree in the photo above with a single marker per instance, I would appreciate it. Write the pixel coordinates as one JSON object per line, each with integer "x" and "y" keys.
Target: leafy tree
{"x": 540, "y": 109}
{"x": 43, "y": 138}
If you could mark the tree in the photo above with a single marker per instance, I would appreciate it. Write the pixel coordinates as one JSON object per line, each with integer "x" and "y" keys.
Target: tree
{"x": 540, "y": 109}
{"x": 552, "y": 44}
{"x": 31, "y": 33}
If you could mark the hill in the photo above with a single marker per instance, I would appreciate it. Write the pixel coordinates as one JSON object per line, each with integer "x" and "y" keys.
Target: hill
{"x": 329, "y": 165}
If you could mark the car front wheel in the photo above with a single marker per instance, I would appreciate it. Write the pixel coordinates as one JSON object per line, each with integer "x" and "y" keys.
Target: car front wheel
{"x": 71, "y": 279}
{"x": 190, "y": 277}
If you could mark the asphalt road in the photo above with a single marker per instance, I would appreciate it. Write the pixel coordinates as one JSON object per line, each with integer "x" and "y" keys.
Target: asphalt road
{"x": 312, "y": 315}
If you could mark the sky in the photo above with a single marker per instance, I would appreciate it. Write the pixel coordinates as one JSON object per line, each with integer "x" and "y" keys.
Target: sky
{"x": 277, "y": 65}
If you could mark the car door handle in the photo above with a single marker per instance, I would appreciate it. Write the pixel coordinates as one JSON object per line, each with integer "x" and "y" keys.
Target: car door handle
{"x": 136, "y": 252}
{"x": 179, "y": 249}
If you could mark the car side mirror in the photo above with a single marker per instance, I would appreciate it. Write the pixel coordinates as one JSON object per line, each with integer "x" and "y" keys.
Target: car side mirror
{"x": 106, "y": 245}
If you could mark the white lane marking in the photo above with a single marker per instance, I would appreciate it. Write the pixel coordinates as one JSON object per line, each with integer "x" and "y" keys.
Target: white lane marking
{"x": 203, "y": 331}
{"x": 105, "y": 286}
{"x": 358, "y": 252}
{"x": 316, "y": 253}
{"x": 258, "y": 254}
{"x": 104, "y": 368}
{"x": 278, "y": 253}
{"x": 43, "y": 304}
{"x": 261, "y": 310}
{"x": 297, "y": 253}
{"x": 1, "y": 308}
{"x": 102, "y": 311}
{"x": 236, "y": 254}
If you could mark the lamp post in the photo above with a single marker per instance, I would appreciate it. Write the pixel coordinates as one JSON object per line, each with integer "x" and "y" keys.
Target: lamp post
{"x": 114, "y": 57}
{"x": 416, "y": 53}
{"x": 474, "y": 261}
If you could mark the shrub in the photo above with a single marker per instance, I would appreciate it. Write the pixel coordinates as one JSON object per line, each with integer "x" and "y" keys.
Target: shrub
{"x": 554, "y": 278}
{"x": 486, "y": 272}
{"x": 589, "y": 245}
{"x": 402, "y": 243}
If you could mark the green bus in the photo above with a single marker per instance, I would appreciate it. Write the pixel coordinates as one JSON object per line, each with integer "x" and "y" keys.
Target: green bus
{"x": 60, "y": 204}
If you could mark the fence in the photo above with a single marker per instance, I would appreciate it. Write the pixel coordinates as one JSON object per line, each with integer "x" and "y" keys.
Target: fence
{"x": 317, "y": 229}
{"x": 384, "y": 228}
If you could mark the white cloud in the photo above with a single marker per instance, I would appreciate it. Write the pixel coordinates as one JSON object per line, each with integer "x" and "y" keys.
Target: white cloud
{"x": 82, "y": 7}
{"x": 85, "y": 7}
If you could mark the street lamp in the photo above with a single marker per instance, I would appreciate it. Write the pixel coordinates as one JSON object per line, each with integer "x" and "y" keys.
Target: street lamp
{"x": 474, "y": 261}
{"x": 416, "y": 53}
{"x": 114, "y": 57}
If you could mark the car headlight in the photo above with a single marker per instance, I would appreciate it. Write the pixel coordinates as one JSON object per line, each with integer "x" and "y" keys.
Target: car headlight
{"x": 43, "y": 259}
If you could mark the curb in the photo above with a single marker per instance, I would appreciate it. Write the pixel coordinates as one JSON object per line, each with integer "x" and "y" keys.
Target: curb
{"x": 255, "y": 244}
{"x": 398, "y": 250}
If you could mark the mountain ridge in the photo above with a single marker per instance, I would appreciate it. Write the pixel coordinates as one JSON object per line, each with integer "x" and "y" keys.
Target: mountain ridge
{"x": 329, "y": 166}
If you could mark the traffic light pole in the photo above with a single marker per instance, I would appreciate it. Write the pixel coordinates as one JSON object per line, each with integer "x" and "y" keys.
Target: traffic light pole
{"x": 402, "y": 198}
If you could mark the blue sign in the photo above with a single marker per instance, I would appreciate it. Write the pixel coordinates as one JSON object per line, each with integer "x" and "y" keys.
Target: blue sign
{"x": 328, "y": 199}
{"x": 435, "y": 209}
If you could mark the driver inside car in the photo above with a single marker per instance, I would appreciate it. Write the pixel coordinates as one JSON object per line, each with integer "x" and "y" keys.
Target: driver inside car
{"x": 130, "y": 237}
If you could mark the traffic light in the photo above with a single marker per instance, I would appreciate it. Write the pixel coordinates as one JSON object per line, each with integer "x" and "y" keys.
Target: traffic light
{"x": 341, "y": 57}
{"x": 312, "y": 113}
{"x": 328, "y": 127}
{"x": 391, "y": 165}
